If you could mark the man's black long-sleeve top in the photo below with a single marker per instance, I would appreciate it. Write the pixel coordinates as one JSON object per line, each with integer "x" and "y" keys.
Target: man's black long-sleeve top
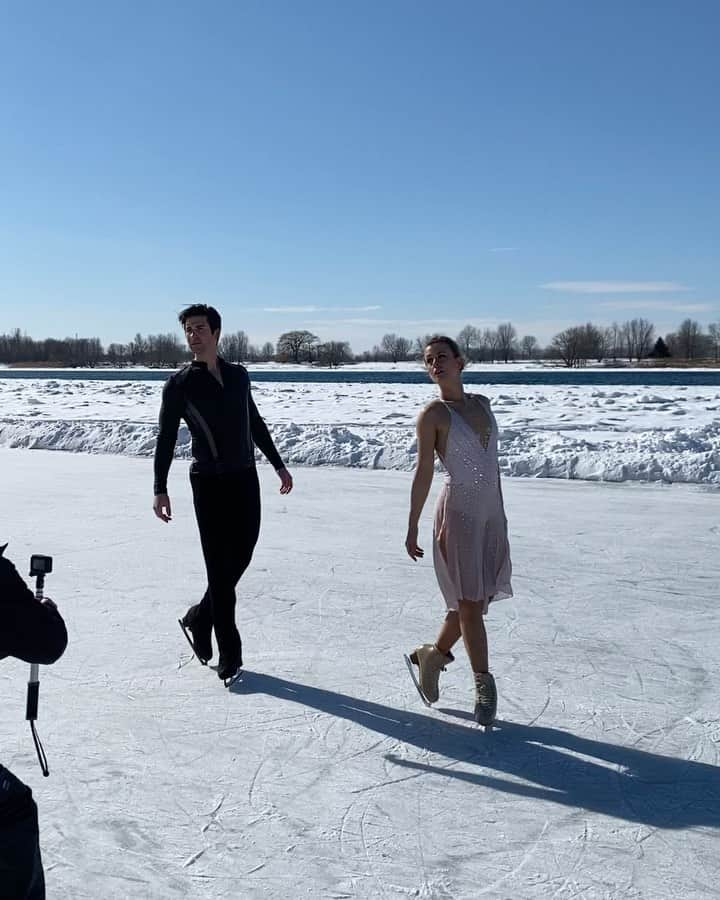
{"x": 222, "y": 418}
{"x": 29, "y": 630}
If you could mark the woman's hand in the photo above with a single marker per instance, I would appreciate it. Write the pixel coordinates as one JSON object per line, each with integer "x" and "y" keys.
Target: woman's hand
{"x": 411, "y": 544}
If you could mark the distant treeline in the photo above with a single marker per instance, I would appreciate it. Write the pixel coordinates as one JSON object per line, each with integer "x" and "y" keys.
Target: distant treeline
{"x": 632, "y": 340}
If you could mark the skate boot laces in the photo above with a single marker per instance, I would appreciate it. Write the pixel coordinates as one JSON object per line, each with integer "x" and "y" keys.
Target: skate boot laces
{"x": 485, "y": 698}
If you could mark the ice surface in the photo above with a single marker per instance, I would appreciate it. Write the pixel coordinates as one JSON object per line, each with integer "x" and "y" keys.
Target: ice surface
{"x": 320, "y": 774}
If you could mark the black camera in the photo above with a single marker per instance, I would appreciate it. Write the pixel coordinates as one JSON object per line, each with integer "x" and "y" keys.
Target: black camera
{"x": 40, "y": 565}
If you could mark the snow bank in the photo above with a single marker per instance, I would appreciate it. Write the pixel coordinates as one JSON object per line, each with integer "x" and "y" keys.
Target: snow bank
{"x": 571, "y": 432}
{"x": 682, "y": 455}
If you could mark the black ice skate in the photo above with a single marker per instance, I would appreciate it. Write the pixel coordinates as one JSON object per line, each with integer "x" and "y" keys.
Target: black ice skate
{"x": 197, "y": 638}
{"x": 229, "y": 667}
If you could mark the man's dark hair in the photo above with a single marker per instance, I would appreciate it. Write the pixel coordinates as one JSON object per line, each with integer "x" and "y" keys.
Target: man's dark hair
{"x": 443, "y": 339}
{"x": 202, "y": 309}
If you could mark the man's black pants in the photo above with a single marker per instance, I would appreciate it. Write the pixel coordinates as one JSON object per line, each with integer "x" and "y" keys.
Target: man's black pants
{"x": 21, "y": 871}
{"x": 227, "y": 508}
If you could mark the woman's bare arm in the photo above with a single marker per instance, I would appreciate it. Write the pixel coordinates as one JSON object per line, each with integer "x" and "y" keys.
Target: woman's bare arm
{"x": 426, "y": 430}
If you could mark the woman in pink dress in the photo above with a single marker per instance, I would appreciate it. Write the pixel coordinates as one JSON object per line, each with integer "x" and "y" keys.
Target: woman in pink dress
{"x": 471, "y": 554}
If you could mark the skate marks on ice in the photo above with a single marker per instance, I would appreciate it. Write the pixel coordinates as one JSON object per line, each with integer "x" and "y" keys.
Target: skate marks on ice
{"x": 538, "y": 762}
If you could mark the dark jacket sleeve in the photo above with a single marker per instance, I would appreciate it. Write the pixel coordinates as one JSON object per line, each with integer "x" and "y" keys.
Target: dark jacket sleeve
{"x": 171, "y": 412}
{"x": 261, "y": 436}
{"x": 30, "y": 630}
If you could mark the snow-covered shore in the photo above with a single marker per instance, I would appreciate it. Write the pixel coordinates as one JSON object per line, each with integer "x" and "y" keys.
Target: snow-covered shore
{"x": 577, "y": 432}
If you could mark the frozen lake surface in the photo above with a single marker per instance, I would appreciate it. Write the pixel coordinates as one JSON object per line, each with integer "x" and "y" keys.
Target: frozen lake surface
{"x": 320, "y": 774}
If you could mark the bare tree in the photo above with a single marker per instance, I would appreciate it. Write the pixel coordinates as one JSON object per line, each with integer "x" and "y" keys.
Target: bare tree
{"x": 638, "y": 335}
{"x": 592, "y": 342}
{"x": 164, "y": 350}
{"x": 628, "y": 341}
{"x": 334, "y": 353}
{"x": 117, "y": 354}
{"x": 550, "y": 352}
{"x": 613, "y": 341}
{"x": 468, "y": 340}
{"x": 396, "y": 347}
{"x": 267, "y": 351}
{"x": 138, "y": 348}
{"x": 18, "y": 347}
{"x": 689, "y": 336}
{"x": 234, "y": 347}
{"x": 404, "y": 346}
{"x": 714, "y": 333}
{"x": 490, "y": 341}
{"x": 645, "y": 335}
{"x": 507, "y": 336}
{"x": 388, "y": 344}
{"x": 296, "y": 343}
{"x": 601, "y": 343}
{"x": 570, "y": 345}
{"x": 312, "y": 350}
{"x": 529, "y": 346}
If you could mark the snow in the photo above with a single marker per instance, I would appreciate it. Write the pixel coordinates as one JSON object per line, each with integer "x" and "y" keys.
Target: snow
{"x": 585, "y": 432}
{"x": 320, "y": 774}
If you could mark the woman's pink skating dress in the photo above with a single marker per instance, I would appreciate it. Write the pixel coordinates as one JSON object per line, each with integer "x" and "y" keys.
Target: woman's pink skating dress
{"x": 470, "y": 543}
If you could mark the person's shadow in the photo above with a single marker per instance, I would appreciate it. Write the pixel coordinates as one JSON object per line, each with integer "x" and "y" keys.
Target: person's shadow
{"x": 657, "y": 791}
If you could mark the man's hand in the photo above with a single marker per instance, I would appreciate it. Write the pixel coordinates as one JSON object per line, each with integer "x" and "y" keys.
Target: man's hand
{"x": 161, "y": 507}
{"x": 286, "y": 481}
{"x": 411, "y": 544}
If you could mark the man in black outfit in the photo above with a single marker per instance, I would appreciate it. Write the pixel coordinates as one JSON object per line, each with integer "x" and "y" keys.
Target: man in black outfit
{"x": 214, "y": 398}
{"x": 34, "y": 632}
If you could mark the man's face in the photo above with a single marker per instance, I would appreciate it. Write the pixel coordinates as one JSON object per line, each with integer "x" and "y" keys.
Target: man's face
{"x": 199, "y": 337}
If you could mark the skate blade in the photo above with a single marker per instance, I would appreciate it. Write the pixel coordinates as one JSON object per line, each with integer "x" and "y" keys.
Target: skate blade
{"x": 229, "y": 682}
{"x": 203, "y": 662}
{"x": 487, "y": 727}
{"x": 411, "y": 670}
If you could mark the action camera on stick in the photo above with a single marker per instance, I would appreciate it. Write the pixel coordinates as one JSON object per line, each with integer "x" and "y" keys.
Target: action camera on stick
{"x": 40, "y": 566}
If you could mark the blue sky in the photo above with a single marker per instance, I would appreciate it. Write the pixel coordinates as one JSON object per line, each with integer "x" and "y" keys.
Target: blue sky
{"x": 357, "y": 167}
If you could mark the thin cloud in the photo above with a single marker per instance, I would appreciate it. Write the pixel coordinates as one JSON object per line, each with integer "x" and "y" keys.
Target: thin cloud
{"x": 317, "y": 309}
{"x": 615, "y": 287}
{"x": 410, "y": 323}
{"x": 658, "y": 304}
{"x": 501, "y": 249}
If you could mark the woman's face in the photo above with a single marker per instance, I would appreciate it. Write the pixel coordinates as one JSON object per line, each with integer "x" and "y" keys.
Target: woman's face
{"x": 441, "y": 363}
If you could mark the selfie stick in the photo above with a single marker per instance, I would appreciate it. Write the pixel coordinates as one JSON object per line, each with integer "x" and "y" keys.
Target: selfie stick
{"x": 33, "y": 693}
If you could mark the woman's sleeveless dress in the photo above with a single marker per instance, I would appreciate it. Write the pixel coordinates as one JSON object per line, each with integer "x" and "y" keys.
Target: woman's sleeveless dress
{"x": 471, "y": 553}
